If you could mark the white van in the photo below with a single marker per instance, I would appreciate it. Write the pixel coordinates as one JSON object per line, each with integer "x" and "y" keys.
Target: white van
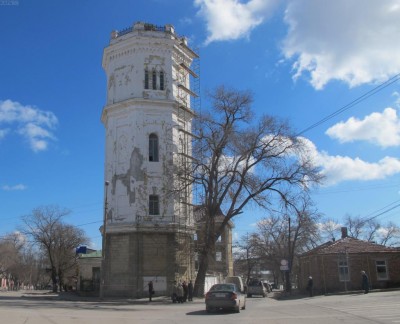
{"x": 237, "y": 281}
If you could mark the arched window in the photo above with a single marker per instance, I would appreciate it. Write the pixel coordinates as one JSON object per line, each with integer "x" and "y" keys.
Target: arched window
{"x": 146, "y": 78}
{"x": 153, "y": 148}
{"x": 161, "y": 80}
{"x": 154, "y": 77}
{"x": 154, "y": 205}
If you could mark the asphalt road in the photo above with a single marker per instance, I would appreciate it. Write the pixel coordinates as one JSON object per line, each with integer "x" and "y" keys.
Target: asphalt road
{"x": 43, "y": 308}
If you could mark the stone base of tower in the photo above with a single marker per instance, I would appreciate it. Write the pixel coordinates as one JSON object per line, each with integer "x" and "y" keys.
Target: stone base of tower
{"x": 133, "y": 259}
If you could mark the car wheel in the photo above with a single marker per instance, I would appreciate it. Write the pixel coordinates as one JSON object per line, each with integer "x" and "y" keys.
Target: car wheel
{"x": 237, "y": 309}
{"x": 208, "y": 309}
{"x": 264, "y": 295}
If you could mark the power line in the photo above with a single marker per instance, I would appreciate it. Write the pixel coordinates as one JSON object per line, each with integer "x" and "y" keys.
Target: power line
{"x": 354, "y": 102}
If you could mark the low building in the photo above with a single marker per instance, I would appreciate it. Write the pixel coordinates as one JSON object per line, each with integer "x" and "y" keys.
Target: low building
{"x": 337, "y": 265}
{"x": 89, "y": 265}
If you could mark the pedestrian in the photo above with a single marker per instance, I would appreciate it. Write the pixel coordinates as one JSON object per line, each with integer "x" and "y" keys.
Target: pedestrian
{"x": 151, "y": 290}
{"x": 180, "y": 294}
{"x": 364, "y": 282}
{"x": 310, "y": 285}
{"x": 185, "y": 291}
{"x": 190, "y": 290}
{"x": 174, "y": 296}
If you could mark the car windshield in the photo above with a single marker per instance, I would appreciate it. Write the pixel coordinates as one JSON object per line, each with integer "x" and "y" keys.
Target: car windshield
{"x": 229, "y": 287}
{"x": 255, "y": 283}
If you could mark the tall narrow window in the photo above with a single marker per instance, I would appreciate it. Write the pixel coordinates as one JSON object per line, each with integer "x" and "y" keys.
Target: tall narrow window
{"x": 343, "y": 270}
{"x": 218, "y": 256}
{"x": 154, "y": 206}
{"x": 161, "y": 80}
{"x": 154, "y": 80}
{"x": 146, "y": 79}
{"x": 153, "y": 148}
{"x": 381, "y": 270}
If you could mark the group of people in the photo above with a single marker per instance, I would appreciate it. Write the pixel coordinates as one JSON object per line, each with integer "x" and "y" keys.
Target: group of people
{"x": 182, "y": 292}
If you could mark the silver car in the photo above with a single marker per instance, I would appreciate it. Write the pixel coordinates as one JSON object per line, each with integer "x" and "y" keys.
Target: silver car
{"x": 225, "y": 296}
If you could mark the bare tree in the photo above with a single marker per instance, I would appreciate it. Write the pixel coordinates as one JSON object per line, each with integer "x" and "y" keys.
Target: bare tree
{"x": 240, "y": 159}
{"x": 354, "y": 225}
{"x": 286, "y": 234}
{"x": 372, "y": 231}
{"x": 10, "y": 256}
{"x": 56, "y": 239}
{"x": 329, "y": 229}
{"x": 389, "y": 235}
{"x": 246, "y": 254}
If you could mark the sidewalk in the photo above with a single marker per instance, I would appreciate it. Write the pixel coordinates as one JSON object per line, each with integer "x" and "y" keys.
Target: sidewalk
{"x": 73, "y": 296}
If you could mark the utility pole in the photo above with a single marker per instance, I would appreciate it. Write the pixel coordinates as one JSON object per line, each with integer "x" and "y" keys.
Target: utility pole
{"x": 288, "y": 284}
{"x": 103, "y": 243}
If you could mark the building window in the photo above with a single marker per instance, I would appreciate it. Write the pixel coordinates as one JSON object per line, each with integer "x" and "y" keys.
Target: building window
{"x": 154, "y": 80}
{"x": 381, "y": 270}
{"x": 218, "y": 256}
{"x": 153, "y": 148}
{"x": 196, "y": 256}
{"x": 195, "y": 237}
{"x": 161, "y": 80}
{"x": 219, "y": 239}
{"x": 343, "y": 271}
{"x": 146, "y": 79}
{"x": 154, "y": 206}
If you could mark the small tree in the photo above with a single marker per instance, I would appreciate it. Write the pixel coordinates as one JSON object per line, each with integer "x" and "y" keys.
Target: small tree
{"x": 56, "y": 239}
{"x": 286, "y": 234}
{"x": 239, "y": 160}
{"x": 246, "y": 254}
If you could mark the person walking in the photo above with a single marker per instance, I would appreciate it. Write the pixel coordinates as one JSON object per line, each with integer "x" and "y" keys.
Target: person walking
{"x": 180, "y": 293}
{"x": 151, "y": 290}
{"x": 174, "y": 296}
{"x": 364, "y": 282}
{"x": 185, "y": 291}
{"x": 190, "y": 290}
{"x": 310, "y": 285}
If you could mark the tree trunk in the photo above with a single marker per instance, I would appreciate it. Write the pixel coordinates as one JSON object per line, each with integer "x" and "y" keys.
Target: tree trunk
{"x": 209, "y": 247}
{"x": 198, "y": 290}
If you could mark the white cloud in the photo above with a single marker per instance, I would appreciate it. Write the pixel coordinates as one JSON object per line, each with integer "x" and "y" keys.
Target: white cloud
{"x": 397, "y": 100}
{"x": 382, "y": 129}
{"x": 34, "y": 124}
{"x": 14, "y": 188}
{"x": 232, "y": 19}
{"x": 3, "y": 133}
{"x": 352, "y": 41}
{"x": 338, "y": 168}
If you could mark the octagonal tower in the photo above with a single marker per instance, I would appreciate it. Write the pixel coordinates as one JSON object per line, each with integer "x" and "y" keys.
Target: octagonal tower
{"x": 148, "y": 224}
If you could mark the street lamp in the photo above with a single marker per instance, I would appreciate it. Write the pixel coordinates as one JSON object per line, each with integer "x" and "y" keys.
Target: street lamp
{"x": 103, "y": 242}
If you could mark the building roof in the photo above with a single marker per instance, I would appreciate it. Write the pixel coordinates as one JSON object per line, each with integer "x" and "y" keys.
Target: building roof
{"x": 95, "y": 254}
{"x": 350, "y": 245}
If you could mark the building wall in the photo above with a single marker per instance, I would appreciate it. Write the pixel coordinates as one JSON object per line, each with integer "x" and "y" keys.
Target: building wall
{"x": 133, "y": 259}
{"x": 325, "y": 271}
{"x": 141, "y": 245}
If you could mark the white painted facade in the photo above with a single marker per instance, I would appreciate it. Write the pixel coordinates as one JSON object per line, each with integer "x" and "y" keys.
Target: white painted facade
{"x": 147, "y": 117}
{"x": 133, "y": 113}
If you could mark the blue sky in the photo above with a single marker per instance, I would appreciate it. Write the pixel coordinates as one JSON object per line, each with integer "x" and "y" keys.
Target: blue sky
{"x": 302, "y": 59}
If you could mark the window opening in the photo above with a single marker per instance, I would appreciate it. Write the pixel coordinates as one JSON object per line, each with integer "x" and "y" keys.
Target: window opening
{"x": 146, "y": 79}
{"x": 381, "y": 270}
{"x": 343, "y": 271}
{"x": 161, "y": 80}
{"x": 154, "y": 206}
{"x": 154, "y": 80}
{"x": 153, "y": 148}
